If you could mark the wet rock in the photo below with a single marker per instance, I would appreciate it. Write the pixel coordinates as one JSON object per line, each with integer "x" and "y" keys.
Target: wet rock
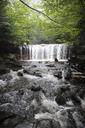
{"x": 7, "y": 64}
{"x": 34, "y": 88}
{"x": 17, "y": 102}
{"x": 67, "y": 74}
{"x": 34, "y": 72}
{"x": 25, "y": 71}
{"x": 79, "y": 119}
{"x": 76, "y": 101}
{"x": 20, "y": 74}
{"x": 9, "y": 120}
{"x": 65, "y": 119}
{"x": 60, "y": 100}
{"x": 45, "y": 124}
{"x": 47, "y": 120}
{"x": 62, "y": 94}
{"x": 6, "y": 98}
{"x": 6, "y": 77}
{"x": 59, "y": 90}
{"x": 37, "y": 74}
{"x": 25, "y": 124}
{"x": 21, "y": 92}
{"x": 15, "y": 65}
{"x": 56, "y": 60}
{"x": 17, "y": 83}
{"x": 56, "y": 124}
{"x": 34, "y": 66}
{"x": 82, "y": 93}
{"x": 65, "y": 88}
{"x": 4, "y": 71}
{"x": 4, "y": 116}
{"x": 58, "y": 74}
{"x": 50, "y": 65}
{"x": 2, "y": 83}
{"x": 29, "y": 71}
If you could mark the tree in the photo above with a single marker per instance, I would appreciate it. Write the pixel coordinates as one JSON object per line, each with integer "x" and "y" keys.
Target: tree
{"x": 81, "y": 23}
{"x": 26, "y": 25}
{"x": 4, "y": 24}
{"x": 67, "y": 15}
{"x": 5, "y": 31}
{"x": 56, "y": 21}
{"x": 19, "y": 20}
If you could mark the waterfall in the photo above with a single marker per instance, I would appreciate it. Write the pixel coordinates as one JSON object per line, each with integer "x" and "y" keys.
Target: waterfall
{"x": 20, "y": 47}
{"x": 44, "y": 52}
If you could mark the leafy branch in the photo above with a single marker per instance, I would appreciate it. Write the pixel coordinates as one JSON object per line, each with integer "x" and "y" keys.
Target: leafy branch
{"x": 40, "y": 12}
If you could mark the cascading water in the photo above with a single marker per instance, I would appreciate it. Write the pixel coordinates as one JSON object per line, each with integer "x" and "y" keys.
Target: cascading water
{"x": 44, "y": 52}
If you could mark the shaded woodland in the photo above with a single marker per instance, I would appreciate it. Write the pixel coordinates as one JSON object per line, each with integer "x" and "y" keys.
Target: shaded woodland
{"x": 62, "y": 22}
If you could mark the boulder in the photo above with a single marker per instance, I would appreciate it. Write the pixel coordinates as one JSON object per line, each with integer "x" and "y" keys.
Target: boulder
{"x": 58, "y": 74}
{"x": 38, "y": 74}
{"x": 34, "y": 72}
{"x": 36, "y": 88}
{"x": 9, "y": 120}
{"x": 56, "y": 60}
{"x": 6, "y": 64}
{"x": 4, "y": 70}
{"x": 67, "y": 72}
{"x": 6, "y": 77}
{"x": 21, "y": 92}
{"x": 76, "y": 101}
{"x": 60, "y": 100}
{"x": 19, "y": 73}
{"x": 15, "y": 65}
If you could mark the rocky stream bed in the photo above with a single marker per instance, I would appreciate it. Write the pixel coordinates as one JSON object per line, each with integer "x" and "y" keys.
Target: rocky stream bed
{"x": 41, "y": 95}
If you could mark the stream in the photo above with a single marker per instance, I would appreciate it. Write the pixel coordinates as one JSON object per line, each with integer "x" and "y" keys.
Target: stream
{"x": 44, "y": 92}
{"x": 39, "y": 96}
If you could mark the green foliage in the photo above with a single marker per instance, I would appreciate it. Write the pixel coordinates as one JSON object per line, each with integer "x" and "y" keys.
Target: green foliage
{"x": 5, "y": 33}
{"x": 32, "y": 27}
{"x": 18, "y": 18}
{"x": 26, "y": 25}
{"x": 66, "y": 13}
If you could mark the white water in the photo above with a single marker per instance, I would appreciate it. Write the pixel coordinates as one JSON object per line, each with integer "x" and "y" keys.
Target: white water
{"x": 44, "y": 52}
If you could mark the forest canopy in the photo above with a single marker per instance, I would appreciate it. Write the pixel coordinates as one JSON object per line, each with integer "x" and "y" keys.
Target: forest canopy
{"x": 61, "y": 21}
